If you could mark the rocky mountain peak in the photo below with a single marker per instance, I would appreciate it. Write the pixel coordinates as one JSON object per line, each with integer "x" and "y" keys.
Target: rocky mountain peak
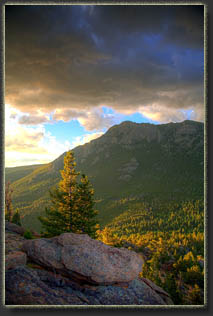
{"x": 129, "y": 133}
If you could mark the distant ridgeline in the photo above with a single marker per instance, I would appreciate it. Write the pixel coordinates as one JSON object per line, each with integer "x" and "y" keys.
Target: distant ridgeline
{"x": 131, "y": 161}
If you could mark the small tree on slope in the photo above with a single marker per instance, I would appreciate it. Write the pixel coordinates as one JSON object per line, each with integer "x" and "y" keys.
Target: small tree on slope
{"x": 16, "y": 219}
{"x": 8, "y": 202}
{"x": 72, "y": 204}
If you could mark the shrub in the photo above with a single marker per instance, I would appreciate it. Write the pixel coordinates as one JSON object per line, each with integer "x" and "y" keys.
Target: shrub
{"x": 28, "y": 234}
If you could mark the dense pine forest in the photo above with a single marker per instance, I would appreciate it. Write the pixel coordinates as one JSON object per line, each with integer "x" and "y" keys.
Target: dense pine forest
{"x": 170, "y": 237}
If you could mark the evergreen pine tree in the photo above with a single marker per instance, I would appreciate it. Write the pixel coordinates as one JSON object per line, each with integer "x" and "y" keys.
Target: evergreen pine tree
{"x": 16, "y": 218}
{"x": 72, "y": 204}
{"x": 86, "y": 220}
{"x": 54, "y": 223}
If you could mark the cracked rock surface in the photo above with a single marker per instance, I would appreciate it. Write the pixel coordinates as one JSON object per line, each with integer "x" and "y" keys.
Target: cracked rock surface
{"x": 26, "y": 286}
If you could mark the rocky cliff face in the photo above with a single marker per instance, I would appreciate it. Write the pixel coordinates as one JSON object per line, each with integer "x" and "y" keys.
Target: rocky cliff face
{"x": 73, "y": 269}
{"x": 130, "y": 133}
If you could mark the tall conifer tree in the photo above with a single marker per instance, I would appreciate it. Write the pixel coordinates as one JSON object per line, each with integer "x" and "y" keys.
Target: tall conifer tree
{"x": 87, "y": 221}
{"x": 72, "y": 204}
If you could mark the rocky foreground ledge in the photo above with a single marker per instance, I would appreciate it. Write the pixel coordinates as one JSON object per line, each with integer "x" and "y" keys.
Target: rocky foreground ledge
{"x": 73, "y": 269}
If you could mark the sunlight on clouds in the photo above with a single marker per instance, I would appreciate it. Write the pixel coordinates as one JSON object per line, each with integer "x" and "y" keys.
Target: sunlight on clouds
{"x": 67, "y": 114}
{"x": 54, "y": 147}
{"x": 29, "y": 145}
{"x": 27, "y": 142}
{"x": 93, "y": 119}
{"x": 126, "y": 110}
{"x": 198, "y": 115}
{"x": 26, "y": 145}
{"x": 21, "y": 138}
{"x": 96, "y": 120}
{"x": 162, "y": 114}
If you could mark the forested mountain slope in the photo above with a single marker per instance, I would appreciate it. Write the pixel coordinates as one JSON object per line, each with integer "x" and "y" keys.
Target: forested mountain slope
{"x": 131, "y": 160}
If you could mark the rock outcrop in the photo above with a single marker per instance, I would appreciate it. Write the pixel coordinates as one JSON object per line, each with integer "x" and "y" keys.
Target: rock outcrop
{"x": 26, "y": 286}
{"x": 84, "y": 258}
{"x": 13, "y": 242}
{"x": 15, "y": 259}
{"x": 10, "y": 227}
{"x": 73, "y": 269}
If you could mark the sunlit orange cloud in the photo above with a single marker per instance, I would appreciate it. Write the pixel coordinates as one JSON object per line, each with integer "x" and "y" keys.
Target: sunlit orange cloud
{"x": 162, "y": 114}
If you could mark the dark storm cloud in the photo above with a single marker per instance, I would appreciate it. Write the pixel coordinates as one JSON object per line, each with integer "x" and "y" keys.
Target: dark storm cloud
{"x": 182, "y": 24}
{"x": 125, "y": 57}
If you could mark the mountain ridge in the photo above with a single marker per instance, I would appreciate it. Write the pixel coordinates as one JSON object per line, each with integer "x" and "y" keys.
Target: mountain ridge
{"x": 130, "y": 159}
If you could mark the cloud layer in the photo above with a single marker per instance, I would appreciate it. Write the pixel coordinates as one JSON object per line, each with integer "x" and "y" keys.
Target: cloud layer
{"x": 72, "y": 60}
{"x": 27, "y": 145}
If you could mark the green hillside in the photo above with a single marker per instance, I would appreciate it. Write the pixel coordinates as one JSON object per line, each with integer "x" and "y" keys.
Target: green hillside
{"x": 131, "y": 160}
{"x": 15, "y": 173}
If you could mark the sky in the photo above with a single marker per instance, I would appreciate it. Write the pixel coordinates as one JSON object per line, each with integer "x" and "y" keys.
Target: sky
{"x": 73, "y": 71}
